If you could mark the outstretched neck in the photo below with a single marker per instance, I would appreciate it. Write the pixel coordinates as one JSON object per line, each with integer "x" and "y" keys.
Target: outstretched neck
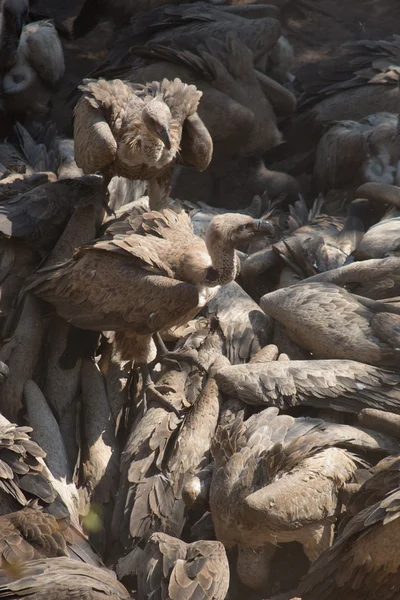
{"x": 224, "y": 265}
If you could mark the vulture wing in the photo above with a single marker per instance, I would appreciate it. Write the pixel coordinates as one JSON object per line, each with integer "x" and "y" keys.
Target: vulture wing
{"x": 45, "y": 51}
{"x": 185, "y": 572}
{"x": 62, "y": 579}
{"x": 339, "y": 384}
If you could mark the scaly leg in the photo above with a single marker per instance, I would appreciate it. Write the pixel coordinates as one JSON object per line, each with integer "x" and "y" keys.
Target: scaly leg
{"x": 155, "y": 392}
{"x": 164, "y": 355}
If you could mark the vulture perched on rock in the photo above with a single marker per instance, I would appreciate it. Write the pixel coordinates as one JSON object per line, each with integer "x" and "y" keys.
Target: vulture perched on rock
{"x": 146, "y": 282}
{"x": 137, "y": 131}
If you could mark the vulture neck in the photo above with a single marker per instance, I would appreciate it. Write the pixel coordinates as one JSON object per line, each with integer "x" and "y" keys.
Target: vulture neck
{"x": 224, "y": 265}
{"x": 9, "y": 42}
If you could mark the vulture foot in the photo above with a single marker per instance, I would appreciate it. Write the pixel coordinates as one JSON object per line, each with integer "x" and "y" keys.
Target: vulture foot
{"x": 166, "y": 356}
{"x": 153, "y": 392}
{"x": 175, "y": 357}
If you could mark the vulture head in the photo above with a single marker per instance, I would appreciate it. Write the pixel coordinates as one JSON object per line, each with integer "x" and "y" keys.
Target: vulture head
{"x": 235, "y": 230}
{"x": 15, "y": 15}
{"x": 157, "y": 117}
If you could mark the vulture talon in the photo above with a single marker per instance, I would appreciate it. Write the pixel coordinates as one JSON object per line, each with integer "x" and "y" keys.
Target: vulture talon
{"x": 164, "y": 355}
{"x": 153, "y": 391}
{"x": 172, "y": 363}
{"x": 182, "y": 356}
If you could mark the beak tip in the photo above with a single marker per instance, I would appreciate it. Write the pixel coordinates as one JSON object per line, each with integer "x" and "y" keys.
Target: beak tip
{"x": 265, "y": 227}
{"x": 165, "y": 137}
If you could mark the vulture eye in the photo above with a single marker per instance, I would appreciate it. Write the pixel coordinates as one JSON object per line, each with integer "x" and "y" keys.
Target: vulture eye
{"x": 244, "y": 227}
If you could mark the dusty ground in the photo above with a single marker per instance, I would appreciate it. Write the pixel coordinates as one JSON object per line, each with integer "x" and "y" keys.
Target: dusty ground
{"x": 315, "y": 27}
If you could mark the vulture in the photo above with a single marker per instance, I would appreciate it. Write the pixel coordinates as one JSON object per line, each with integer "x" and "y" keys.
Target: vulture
{"x": 375, "y": 278}
{"x": 363, "y": 563}
{"x": 324, "y": 241}
{"x": 345, "y": 385}
{"x": 30, "y": 534}
{"x": 244, "y": 327}
{"x": 39, "y": 216}
{"x": 354, "y": 152}
{"x": 333, "y": 323}
{"x": 236, "y": 107}
{"x": 140, "y": 284}
{"x": 275, "y": 479}
{"x": 172, "y": 569}
{"x": 37, "y": 65}
{"x": 383, "y": 238}
{"x": 61, "y": 579}
{"x": 362, "y": 81}
{"x": 185, "y": 26}
{"x": 240, "y": 103}
{"x": 313, "y": 242}
{"x": 121, "y": 11}
{"x": 137, "y": 131}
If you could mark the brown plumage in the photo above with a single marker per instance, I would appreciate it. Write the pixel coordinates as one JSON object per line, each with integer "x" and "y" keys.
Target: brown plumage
{"x": 276, "y": 479}
{"x": 23, "y": 474}
{"x": 174, "y": 570}
{"x": 28, "y": 85}
{"x": 61, "y": 579}
{"x": 39, "y": 216}
{"x": 241, "y": 322}
{"x": 186, "y": 26}
{"x": 375, "y": 278}
{"x": 343, "y": 385}
{"x": 322, "y": 242}
{"x": 380, "y": 420}
{"x": 234, "y": 108}
{"x": 143, "y": 284}
{"x": 383, "y": 238}
{"x": 360, "y": 82}
{"x": 29, "y": 534}
{"x": 332, "y": 323}
{"x": 137, "y": 131}
{"x": 353, "y": 152}
{"x": 363, "y": 563}
{"x": 146, "y": 502}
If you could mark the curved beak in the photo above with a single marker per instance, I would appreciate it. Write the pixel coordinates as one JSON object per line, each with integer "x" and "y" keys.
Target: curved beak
{"x": 163, "y": 134}
{"x": 263, "y": 227}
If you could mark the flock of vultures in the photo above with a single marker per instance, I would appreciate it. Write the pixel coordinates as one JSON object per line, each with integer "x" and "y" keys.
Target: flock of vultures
{"x": 199, "y": 310}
